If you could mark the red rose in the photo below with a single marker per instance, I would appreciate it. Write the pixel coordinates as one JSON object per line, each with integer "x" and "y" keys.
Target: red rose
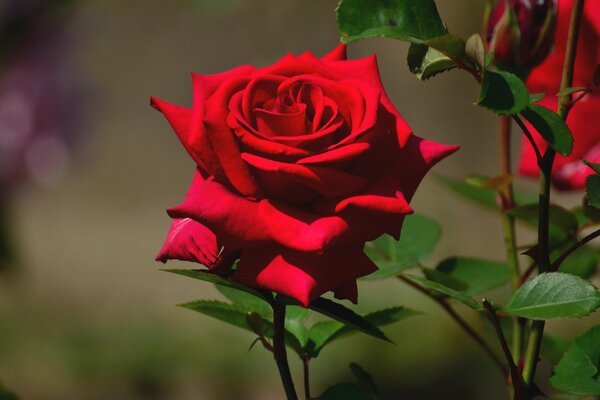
{"x": 299, "y": 164}
{"x": 584, "y": 119}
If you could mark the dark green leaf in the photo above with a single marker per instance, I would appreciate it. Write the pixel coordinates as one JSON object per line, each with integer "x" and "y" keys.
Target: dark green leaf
{"x": 503, "y": 93}
{"x": 446, "y": 291}
{"x": 561, "y": 219}
{"x": 420, "y": 234}
{"x": 592, "y": 188}
{"x": 594, "y": 166}
{"x": 553, "y": 295}
{"x": 479, "y": 275}
{"x": 344, "y": 391}
{"x": 342, "y": 314}
{"x": 365, "y": 381}
{"x": 409, "y": 20}
{"x": 231, "y": 313}
{"x": 219, "y": 280}
{"x": 535, "y": 97}
{"x": 445, "y": 279}
{"x": 425, "y": 62}
{"x": 551, "y": 127}
{"x": 325, "y": 332}
{"x": 579, "y": 370}
{"x": 553, "y": 348}
{"x": 245, "y": 299}
{"x": 583, "y": 262}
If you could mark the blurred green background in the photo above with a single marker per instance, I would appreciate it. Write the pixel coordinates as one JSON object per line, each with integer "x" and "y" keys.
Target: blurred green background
{"x": 88, "y": 315}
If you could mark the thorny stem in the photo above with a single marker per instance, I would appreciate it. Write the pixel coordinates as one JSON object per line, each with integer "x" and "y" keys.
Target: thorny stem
{"x": 537, "y": 327}
{"x": 529, "y": 137}
{"x": 508, "y": 227}
{"x": 461, "y": 322}
{"x": 556, "y": 264}
{"x": 279, "y": 351}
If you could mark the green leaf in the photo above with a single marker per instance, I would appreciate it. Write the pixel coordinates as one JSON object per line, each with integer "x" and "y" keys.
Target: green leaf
{"x": 553, "y": 295}
{"x": 219, "y": 280}
{"x": 560, "y": 217}
{"x": 503, "y": 93}
{"x": 479, "y": 275}
{"x": 344, "y": 391}
{"x": 445, "y": 279}
{"x": 425, "y": 62}
{"x": 475, "y": 49}
{"x": 446, "y": 291}
{"x": 551, "y": 127}
{"x": 583, "y": 262}
{"x": 571, "y": 90}
{"x": 594, "y": 166}
{"x": 579, "y": 370}
{"x": 592, "y": 188}
{"x": 325, "y": 332}
{"x": 409, "y": 20}
{"x": 245, "y": 299}
{"x": 233, "y": 314}
{"x": 419, "y": 236}
{"x": 365, "y": 381}
{"x": 553, "y": 348}
{"x": 535, "y": 97}
{"x": 342, "y": 314}
{"x": 295, "y": 318}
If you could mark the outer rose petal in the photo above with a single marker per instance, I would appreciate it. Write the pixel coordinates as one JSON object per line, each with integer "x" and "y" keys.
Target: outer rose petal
{"x": 189, "y": 240}
{"x": 304, "y": 276}
{"x": 569, "y": 172}
{"x": 337, "y": 54}
{"x": 231, "y": 217}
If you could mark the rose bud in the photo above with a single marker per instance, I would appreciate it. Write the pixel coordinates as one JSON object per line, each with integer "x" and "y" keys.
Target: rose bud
{"x": 570, "y": 173}
{"x": 520, "y": 32}
{"x": 298, "y": 165}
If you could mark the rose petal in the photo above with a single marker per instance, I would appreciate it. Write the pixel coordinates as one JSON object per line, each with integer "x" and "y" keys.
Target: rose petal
{"x": 303, "y": 276}
{"x": 232, "y": 218}
{"x": 337, "y": 54}
{"x": 189, "y": 240}
{"x": 328, "y": 182}
{"x": 339, "y": 154}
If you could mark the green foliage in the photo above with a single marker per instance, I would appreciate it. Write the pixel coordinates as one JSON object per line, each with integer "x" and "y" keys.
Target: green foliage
{"x": 245, "y": 299}
{"x": 365, "y": 381}
{"x": 325, "y": 332}
{"x": 592, "y": 188}
{"x": 551, "y": 127}
{"x": 561, "y": 219}
{"x": 503, "y": 93}
{"x": 553, "y": 295}
{"x": 579, "y": 370}
{"x": 594, "y": 166}
{"x": 425, "y": 62}
{"x": 583, "y": 262}
{"x": 479, "y": 275}
{"x": 409, "y": 20}
{"x": 233, "y": 314}
{"x": 440, "y": 289}
{"x": 6, "y": 395}
{"x": 419, "y": 236}
{"x": 344, "y": 391}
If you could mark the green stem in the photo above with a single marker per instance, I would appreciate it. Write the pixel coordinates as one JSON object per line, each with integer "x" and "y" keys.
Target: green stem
{"x": 544, "y": 265}
{"x": 508, "y": 227}
{"x": 279, "y": 351}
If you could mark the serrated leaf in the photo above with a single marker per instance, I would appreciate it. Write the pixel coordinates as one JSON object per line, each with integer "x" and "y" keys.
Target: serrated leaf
{"x": 446, "y": 291}
{"x": 475, "y": 49}
{"x": 592, "y": 189}
{"x": 342, "y": 314}
{"x": 594, "y": 166}
{"x": 551, "y": 127}
{"x": 479, "y": 275}
{"x": 365, "y": 381}
{"x": 579, "y": 370}
{"x": 325, "y": 332}
{"x": 219, "y": 280}
{"x": 503, "y": 93}
{"x": 553, "y": 295}
{"x": 245, "y": 299}
{"x": 344, "y": 391}
{"x": 425, "y": 62}
{"x": 409, "y": 20}
{"x": 419, "y": 236}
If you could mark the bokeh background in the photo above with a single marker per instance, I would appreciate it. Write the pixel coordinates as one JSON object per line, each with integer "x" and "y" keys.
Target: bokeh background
{"x": 85, "y": 312}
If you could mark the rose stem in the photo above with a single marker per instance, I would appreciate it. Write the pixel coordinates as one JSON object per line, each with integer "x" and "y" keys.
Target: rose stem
{"x": 507, "y": 201}
{"x": 460, "y": 321}
{"x": 537, "y": 327}
{"x": 573, "y": 248}
{"x": 279, "y": 352}
{"x": 305, "y": 364}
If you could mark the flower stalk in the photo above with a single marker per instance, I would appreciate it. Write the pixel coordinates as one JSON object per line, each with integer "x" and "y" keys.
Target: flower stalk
{"x": 279, "y": 351}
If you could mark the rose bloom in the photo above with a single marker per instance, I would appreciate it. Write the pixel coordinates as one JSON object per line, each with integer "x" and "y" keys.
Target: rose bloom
{"x": 569, "y": 173}
{"x": 299, "y": 164}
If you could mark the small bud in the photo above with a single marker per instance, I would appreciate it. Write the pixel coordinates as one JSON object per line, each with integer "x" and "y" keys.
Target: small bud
{"x": 520, "y": 33}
